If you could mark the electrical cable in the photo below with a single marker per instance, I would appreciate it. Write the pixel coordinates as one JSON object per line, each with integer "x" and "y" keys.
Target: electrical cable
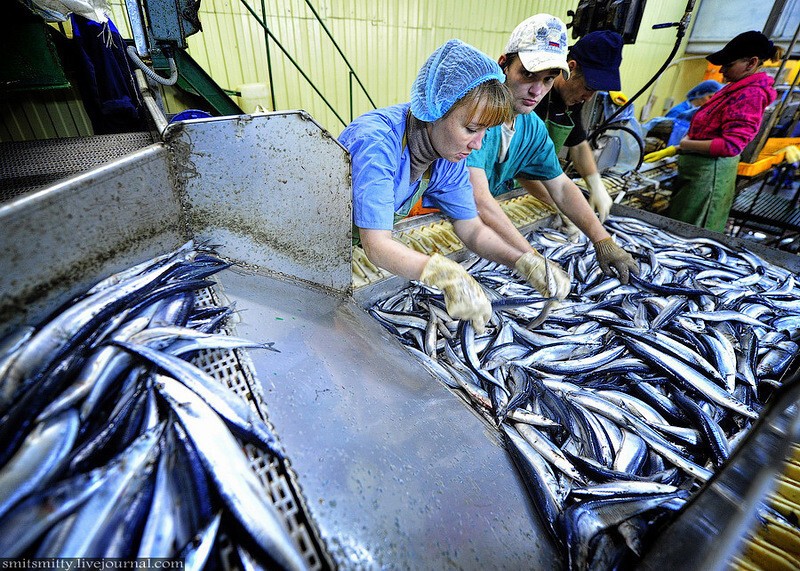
{"x": 620, "y": 126}
{"x": 173, "y": 69}
{"x": 682, "y": 26}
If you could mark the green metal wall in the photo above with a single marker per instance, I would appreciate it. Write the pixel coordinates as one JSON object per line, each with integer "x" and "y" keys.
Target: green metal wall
{"x": 385, "y": 42}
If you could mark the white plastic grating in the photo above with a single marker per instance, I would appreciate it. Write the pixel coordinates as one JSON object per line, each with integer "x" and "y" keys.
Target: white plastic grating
{"x": 234, "y": 369}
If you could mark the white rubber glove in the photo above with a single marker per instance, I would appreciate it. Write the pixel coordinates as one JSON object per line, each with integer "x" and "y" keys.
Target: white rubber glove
{"x": 567, "y": 227}
{"x": 547, "y": 277}
{"x": 599, "y": 199}
{"x": 463, "y": 296}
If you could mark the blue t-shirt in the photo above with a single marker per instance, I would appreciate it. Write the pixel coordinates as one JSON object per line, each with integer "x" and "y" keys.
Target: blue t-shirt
{"x": 531, "y": 155}
{"x": 381, "y": 168}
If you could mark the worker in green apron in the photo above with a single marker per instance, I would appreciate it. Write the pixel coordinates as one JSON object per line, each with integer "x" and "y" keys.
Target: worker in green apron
{"x": 411, "y": 150}
{"x": 719, "y": 130}
{"x": 520, "y": 149}
{"x": 593, "y": 63}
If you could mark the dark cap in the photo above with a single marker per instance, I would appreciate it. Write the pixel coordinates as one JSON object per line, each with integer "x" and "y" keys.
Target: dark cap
{"x": 745, "y": 45}
{"x": 599, "y": 54}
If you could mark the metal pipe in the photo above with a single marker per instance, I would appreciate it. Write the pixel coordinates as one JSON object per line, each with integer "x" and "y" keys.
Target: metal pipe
{"x": 147, "y": 95}
{"x": 269, "y": 59}
{"x": 292, "y": 60}
{"x": 341, "y": 53}
{"x": 137, "y": 27}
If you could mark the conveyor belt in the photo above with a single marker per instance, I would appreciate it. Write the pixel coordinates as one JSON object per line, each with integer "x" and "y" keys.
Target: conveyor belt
{"x": 761, "y": 206}
{"x": 396, "y": 472}
{"x": 430, "y": 234}
{"x": 27, "y": 166}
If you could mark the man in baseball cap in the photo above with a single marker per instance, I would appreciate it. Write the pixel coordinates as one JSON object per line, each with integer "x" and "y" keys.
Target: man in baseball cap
{"x": 598, "y": 56}
{"x": 594, "y": 63}
{"x": 535, "y": 59}
{"x": 540, "y": 42}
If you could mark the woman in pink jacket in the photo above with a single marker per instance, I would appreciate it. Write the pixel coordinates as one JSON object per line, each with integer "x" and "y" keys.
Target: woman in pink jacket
{"x": 720, "y": 130}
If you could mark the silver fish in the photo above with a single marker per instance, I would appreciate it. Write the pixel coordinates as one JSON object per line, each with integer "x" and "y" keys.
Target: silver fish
{"x": 227, "y": 465}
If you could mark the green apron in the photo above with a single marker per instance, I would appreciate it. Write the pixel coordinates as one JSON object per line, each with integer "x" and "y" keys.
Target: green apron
{"x": 558, "y": 133}
{"x": 406, "y": 207}
{"x": 704, "y": 190}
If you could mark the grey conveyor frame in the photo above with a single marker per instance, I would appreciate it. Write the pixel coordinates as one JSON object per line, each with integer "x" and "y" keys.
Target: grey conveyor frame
{"x": 395, "y": 472}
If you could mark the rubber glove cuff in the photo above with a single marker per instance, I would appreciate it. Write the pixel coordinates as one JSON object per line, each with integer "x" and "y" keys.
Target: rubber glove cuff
{"x": 599, "y": 199}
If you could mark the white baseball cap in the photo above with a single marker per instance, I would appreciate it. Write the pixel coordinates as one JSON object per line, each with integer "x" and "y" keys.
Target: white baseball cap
{"x": 541, "y": 42}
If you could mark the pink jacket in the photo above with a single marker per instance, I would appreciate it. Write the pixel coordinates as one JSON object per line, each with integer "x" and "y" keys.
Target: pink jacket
{"x": 732, "y": 117}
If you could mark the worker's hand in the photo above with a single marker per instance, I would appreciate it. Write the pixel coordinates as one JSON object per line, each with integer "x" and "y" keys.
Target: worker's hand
{"x": 547, "y": 277}
{"x": 599, "y": 199}
{"x": 792, "y": 154}
{"x": 618, "y": 98}
{"x": 610, "y": 256}
{"x": 463, "y": 296}
{"x": 567, "y": 227}
{"x": 662, "y": 154}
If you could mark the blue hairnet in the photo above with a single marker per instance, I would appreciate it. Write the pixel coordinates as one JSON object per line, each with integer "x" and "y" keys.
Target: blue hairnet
{"x": 707, "y": 87}
{"x": 449, "y": 74}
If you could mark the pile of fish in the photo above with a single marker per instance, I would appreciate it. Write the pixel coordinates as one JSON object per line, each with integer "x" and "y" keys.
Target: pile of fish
{"x": 113, "y": 444}
{"x": 618, "y": 403}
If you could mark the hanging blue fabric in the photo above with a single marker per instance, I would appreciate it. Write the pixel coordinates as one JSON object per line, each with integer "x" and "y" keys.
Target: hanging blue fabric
{"x": 105, "y": 79}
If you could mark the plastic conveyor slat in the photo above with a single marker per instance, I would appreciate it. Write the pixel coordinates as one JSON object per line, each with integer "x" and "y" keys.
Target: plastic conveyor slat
{"x": 766, "y": 208}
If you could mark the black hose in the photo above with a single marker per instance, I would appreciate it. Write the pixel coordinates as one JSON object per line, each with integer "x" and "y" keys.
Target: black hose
{"x": 621, "y": 127}
{"x": 682, "y": 25}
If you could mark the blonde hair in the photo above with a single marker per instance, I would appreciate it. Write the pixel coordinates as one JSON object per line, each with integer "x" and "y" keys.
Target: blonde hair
{"x": 777, "y": 54}
{"x": 495, "y": 95}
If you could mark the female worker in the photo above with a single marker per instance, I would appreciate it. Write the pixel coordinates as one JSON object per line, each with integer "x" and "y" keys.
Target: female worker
{"x": 719, "y": 131}
{"x": 695, "y": 98}
{"x": 411, "y": 150}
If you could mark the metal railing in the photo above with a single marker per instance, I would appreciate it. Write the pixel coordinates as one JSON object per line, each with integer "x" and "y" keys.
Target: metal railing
{"x": 268, "y": 35}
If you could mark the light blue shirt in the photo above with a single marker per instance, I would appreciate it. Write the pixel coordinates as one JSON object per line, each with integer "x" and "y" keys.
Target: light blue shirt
{"x": 381, "y": 168}
{"x": 531, "y": 155}
{"x": 683, "y": 111}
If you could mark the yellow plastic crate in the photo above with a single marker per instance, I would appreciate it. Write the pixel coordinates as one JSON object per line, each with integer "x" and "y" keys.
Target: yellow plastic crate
{"x": 770, "y": 155}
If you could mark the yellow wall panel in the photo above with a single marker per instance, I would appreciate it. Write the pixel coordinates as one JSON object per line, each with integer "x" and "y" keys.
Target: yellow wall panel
{"x": 386, "y": 42}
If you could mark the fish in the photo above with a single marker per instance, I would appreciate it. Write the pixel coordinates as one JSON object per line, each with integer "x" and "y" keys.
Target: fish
{"x": 539, "y": 480}
{"x": 196, "y": 553}
{"x": 39, "y": 459}
{"x": 233, "y": 409}
{"x": 90, "y": 519}
{"x": 226, "y": 464}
